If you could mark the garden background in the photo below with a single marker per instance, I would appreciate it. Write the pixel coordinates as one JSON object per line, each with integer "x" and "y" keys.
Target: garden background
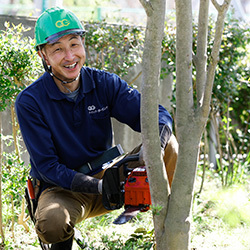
{"x": 221, "y": 211}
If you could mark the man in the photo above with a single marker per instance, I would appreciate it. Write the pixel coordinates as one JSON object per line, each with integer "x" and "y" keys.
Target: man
{"x": 64, "y": 118}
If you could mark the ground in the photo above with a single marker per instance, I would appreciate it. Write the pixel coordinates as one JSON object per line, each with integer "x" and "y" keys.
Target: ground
{"x": 221, "y": 221}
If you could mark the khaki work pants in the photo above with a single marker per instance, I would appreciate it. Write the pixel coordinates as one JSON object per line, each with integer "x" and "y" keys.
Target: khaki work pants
{"x": 59, "y": 210}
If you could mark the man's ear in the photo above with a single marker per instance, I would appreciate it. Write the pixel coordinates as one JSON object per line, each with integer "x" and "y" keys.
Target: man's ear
{"x": 39, "y": 52}
{"x": 43, "y": 56}
{"x": 83, "y": 40}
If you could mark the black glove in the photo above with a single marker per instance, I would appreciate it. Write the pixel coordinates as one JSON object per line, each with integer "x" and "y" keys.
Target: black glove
{"x": 112, "y": 194}
{"x": 86, "y": 184}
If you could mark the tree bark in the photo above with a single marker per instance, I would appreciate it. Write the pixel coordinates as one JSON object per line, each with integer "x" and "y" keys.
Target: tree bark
{"x": 201, "y": 62}
{"x": 190, "y": 118}
{"x": 149, "y": 115}
{"x": 172, "y": 224}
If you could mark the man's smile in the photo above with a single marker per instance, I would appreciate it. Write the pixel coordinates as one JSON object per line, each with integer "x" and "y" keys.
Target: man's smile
{"x": 70, "y": 66}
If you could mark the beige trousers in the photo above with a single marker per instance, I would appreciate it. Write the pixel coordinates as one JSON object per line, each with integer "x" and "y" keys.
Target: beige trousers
{"x": 59, "y": 210}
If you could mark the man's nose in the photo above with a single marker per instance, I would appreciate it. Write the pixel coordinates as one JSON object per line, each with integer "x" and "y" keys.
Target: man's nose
{"x": 69, "y": 55}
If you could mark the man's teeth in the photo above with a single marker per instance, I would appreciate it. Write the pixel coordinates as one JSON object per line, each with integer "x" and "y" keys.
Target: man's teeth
{"x": 70, "y": 66}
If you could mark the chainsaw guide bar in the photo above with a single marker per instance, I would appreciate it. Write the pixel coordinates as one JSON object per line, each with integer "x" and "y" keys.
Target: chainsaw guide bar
{"x": 127, "y": 215}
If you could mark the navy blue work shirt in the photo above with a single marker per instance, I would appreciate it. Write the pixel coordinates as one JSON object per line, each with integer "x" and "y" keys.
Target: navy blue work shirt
{"x": 61, "y": 134}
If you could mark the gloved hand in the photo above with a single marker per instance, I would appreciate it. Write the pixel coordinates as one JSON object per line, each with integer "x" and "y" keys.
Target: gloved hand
{"x": 86, "y": 184}
{"x": 112, "y": 195}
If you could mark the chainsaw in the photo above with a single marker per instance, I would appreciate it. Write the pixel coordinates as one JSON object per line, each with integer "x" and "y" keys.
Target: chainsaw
{"x": 133, "y": 193}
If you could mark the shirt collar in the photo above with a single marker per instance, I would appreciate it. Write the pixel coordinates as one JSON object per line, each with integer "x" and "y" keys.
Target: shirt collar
{"x": 87, "y": 79}
{"x": 53, "y": 91}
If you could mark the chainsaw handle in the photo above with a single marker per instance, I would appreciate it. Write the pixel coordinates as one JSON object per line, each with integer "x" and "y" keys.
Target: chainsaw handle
{"x": 126, "y": 159}
{"x": 112, "y": 191}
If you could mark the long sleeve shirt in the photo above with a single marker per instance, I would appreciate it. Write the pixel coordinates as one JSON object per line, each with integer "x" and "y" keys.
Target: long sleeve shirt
{"x": 61, "y": 134}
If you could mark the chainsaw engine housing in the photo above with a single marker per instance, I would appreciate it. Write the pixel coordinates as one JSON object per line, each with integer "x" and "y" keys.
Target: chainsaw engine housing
{"x": 136, "y": 189}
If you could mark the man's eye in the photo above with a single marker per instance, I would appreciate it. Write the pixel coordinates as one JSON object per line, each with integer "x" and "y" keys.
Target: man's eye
{"x": 57, "y": 49}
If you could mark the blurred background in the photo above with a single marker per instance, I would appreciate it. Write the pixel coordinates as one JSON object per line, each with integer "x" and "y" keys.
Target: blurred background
{"x": 129, "y": 11}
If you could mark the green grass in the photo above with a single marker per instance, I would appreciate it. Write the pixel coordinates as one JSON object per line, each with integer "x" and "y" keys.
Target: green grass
{"x": 221, "y": 221}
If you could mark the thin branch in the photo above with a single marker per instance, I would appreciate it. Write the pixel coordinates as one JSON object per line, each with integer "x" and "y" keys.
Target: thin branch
{"x": 147, "y": 6}
{"x": 223, "y": 7}
{"x": 138, "y": 75}
{"x": 214, "y": 56}
{"x": 216, "y": 5}
{"x": 22, "y": 220}
{"x": 14, "y": 130}
{"x": 201, "y": 54}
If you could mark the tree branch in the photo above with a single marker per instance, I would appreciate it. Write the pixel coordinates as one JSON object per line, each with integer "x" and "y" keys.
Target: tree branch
{"x": 223, "y": 7}
{"x": 22, "y": 220}
{"x": 201, "y": 62}
{"x": 184, "y": 57}
{"x": 147, "y": 6}
{"x": 216, "y": 5}
{"x": 214, "y": 56}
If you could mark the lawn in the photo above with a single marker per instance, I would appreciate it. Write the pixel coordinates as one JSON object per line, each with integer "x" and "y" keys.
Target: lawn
{"x": 221, "y": 220}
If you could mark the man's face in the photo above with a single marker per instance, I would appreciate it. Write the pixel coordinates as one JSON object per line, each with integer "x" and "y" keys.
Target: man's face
{"x": 66, "y": 56}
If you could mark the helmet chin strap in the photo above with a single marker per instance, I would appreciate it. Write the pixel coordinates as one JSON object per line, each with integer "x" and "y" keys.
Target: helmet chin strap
{"x": 63, "y": 82}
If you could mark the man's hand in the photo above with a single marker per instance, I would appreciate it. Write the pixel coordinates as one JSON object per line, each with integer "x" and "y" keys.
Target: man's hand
{"x": 113, "y": 197}
{"x": 85, "y": 184}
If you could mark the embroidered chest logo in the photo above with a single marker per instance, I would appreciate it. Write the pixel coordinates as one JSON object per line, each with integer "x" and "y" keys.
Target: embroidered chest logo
{"x": 93, "y": 110}
{"x": 130, "y": 90}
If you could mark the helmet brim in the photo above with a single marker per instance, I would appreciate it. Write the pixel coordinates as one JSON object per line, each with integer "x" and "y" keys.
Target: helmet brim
{"x": 55, "y": 37}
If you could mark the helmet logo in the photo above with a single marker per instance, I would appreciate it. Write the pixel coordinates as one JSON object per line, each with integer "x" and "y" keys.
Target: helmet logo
{"x": 62, "y": 23}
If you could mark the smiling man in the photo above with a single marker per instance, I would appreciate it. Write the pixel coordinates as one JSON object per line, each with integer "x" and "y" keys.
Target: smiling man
{"x": 65, "y": 120}
{"x": 65, "y": 58}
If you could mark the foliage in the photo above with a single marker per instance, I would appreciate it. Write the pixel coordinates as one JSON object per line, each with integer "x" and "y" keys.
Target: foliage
{"x": 13, "y": 178}
{"x": 232, "y": 83}
{"x": 113, "y": 48}
{"x": 231, "y": 93}
{"x": 17, "y": 63}
{"x": 169, "y": 49}
{"x": 14, "y": 172}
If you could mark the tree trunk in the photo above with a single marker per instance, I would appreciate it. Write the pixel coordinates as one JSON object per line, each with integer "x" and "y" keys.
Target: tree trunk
{"x": 172, "y": 224}
{"x": 149, "y": 115}
{"x": 178, "y": 217}
{"x": 191, "y": 116}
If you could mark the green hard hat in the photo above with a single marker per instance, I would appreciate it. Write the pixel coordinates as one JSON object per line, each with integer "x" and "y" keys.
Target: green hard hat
{"x": 54, "y": 23}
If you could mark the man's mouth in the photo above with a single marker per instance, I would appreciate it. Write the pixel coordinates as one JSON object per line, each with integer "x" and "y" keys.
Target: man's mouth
{"x": 70, "y": 66}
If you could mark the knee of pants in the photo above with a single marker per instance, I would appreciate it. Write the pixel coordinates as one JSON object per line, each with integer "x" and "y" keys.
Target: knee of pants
{"x": 54, "y": 225}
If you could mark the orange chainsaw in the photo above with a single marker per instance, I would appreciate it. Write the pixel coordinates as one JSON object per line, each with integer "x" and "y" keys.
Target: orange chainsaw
{"x": 133, "y": 193}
